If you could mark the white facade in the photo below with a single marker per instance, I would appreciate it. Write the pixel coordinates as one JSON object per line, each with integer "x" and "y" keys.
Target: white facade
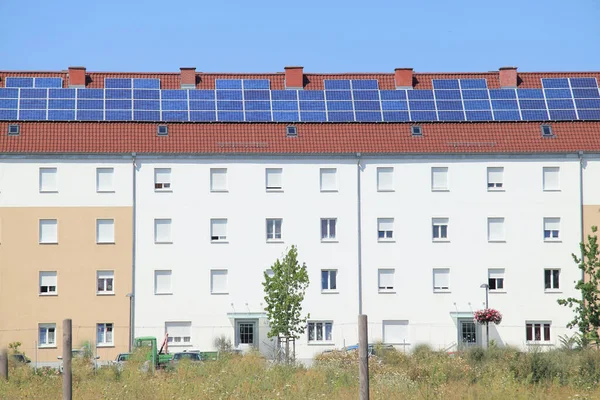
{"x": 216, "y": 281}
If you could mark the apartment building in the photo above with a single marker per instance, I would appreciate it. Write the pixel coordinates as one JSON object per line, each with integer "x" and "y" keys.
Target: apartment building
{"x": 404, "y": 192}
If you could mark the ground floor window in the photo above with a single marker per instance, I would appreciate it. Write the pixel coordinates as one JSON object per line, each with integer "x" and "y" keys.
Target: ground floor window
{"x": 47, "y": 335}
{"x": 180, "y": 333}
{"x": 537, "y": 331}
{"x": 320, "y": 331}
{"x": 104, "y": 336}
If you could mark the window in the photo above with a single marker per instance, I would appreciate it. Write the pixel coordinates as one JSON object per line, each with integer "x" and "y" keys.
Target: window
{"x": 546, "y": 130}
{"x": 551, "y": 229}
{"x": 14, "y": 130}
{"x": 440, "y": 229}
{"x": 291, "y": 131}
{"x": 218, "y": 230}
{"x": 162, "y": 179}
{"x": 328, "y": 226}
{"x": 551, "y": 279}
{"x": 320, "y": 331}
{"x": 328, "y": 280}
{"x": 218, "y": 281}
{"x": 104, "y": 334}
{"x": 163, "y": 130}
{"x": 385, "y": 229}
{"x": 274, "y": 179}
{"x": 162, "y": 282}
{"x": 48, "y": 231}
{"x": 496, "y": 279}
{"x": 105, "y": 282}
{"x": 495, "y": 178}
{"x": 47, "y": 333}
{"x": 179, "y": 333}
{"x": 439, "y": 178}
{"x": 105, "y": 231}
{"x": 218, "y": 179}
{"x": 441, "y": 279}
{"x": 395, "y": 332}
{"x": 274, "y": 229}
{"x": 495, "y": 229}
{"x": 385, "y": 280}
{"x": 537, "y": 331}
{"x": 48, "y": 181}
{"x": 328, "y": 179}
{"x": 48, "y": 283}
{"x": 385, "y": 179}
{"x": 551, "y": 178}
{"x": 162, "y": 231}
{"x": 105, "y": 179}
{"x": 416, "y": 130}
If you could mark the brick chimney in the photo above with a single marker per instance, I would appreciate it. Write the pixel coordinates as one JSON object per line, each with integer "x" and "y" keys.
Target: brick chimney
{"x": 294, "y": 77}
{"x": 77, "y": 77}
{"x": 403, "y": 78}
{"x": 188, "y": 77}
{"x": 508, "y": 77}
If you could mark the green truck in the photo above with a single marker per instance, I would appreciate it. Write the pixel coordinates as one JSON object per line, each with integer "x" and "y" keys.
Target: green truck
{"x": 157, "y": 357}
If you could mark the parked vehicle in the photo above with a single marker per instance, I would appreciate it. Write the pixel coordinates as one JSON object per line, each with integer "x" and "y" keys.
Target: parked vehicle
{"x": 80, "y": 354}
{"x": 190, "y": 356}
{"x": 372, "y": 350}
{"x": 20, "y": 358}
{"x": 154, "y": 356}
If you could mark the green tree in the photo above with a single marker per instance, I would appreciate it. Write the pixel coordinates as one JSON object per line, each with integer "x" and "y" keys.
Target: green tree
{"x": 587, "y": 308}
{"x": 284, "y": 293}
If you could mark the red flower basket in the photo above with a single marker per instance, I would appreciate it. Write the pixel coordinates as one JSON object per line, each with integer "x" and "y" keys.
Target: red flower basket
{"x": 487, "y": 315}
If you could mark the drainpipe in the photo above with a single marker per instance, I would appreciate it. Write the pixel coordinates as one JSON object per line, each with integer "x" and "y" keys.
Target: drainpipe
{"x": 580, "y": 155}
{"x": 133, "y": 248}
{"x": 359, "y": 226}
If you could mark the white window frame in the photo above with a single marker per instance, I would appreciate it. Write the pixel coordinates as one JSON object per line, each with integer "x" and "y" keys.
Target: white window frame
{"x": 553, "y": 282}
{"x": 326, "y": 230}
{"x": 102, "y": 279}
{"x": 157, "y": 222}
{"x": 102, "y": 171}
{"x": 543, "y": 339}
{"x": 382, "y": 173}
{"x": 48, "y": 222}
{"x": 215, "y": 272}
{"x": 490, "y": 222}
{"x": 179, "y": 340}
{"x": 316, "y": 325}
{"x": 495, "y": 184}
{"x": 547, "y": 187}
{"x": 554, "y": 234}
{"x": 382, "y": 234}
{"x": 401, "y": 322}
{"x": 271, "y": 178}
{"x": 163, "y": 180}
{"x": 441, "y": 288}
{"x": 214, "y": 225}
{"x": 329, "y": 272}
{"x": 107, "y": 330}
{"x": 47, "y": 328}
{"x": 323, "y": 184}
{"x": 49, "y": 274}
{"x": 111, "y": 237}
{"x": 437, "y": 224}
{"x": 496, "y": 274}
{"x": 386, "y": 288}
{"x": 163, "y": 272}
{"x": 213, "y": 173}
{"x": 271, "y": 230}
{"x": 42, "y": 187}
{"x": 435, "y": 187}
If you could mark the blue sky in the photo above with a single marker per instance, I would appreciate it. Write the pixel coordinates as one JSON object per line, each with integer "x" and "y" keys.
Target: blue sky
{"x": 322, "y": 36}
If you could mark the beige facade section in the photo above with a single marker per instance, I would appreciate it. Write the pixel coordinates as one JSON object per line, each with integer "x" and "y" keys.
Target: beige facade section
{"x": 591, "y": 217}
{"x": 76, "y": 259}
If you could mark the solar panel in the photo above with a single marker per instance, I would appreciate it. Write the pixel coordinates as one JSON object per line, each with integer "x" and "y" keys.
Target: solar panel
{"x": 501, "y": 94}
{"x": 530, "y": 93}
{"x": 507, "y": 115}
{"x": 118, "y": 115}
{"x": 587, "y": 103}
{"x": 257, "y": 105}
{"x": 117, "y": 83}
{"x": 14, "y": 82}
{"x": 557, "y": 93}
{"x": 338, "y": 95}
{"x": 313, "y": 116}
{"x": 393, "y": 94}
{"x": 61, "y": 93}
{"x": 396, "y": 116}
{"x": 586, "y": 114}
{"x": 555, "y": 83}
{"x": 532, "y": 104}
{"x": 169, "y": 94}
{"x": 90, "y": 104}
{"x": 61, "y": 104}
{"x": 61, "y": 115}
{"x": 117, "y": 94}
{"x": 199, "y": 94}
{"x": 31, "y": 104}
{"x": 48, "y": 82}
{"x": 423, "y": 116}
{"x": 339, "y": 106}
{"x": 584, "y": 83}
{"x": 203, "y": 116}
{"x": 421, "y": 105}
{"x": 9, "y": 103}
{"x": 394, "y": 105}
{"x": 420, "y": 94}
{"x": 445, "y": 84}
{"x": 447, "y": 95}
{"x": 311, "y": 95}
{"x": 283, "y": 116}
{"x": 368, "y": 116}
{"x": 475, "y": 94}
{"x": 340, "y": 116}
{"x": 285, "y": 105}
{"x": 32, "y": 115}
{"x": 146, "y": 83}
{"x": 364, "y": 84}
{"x": 90, "y": 115}
{"x": 473, "y": 84}
{"x": 258, "y": 116}
{"x": 451, "y": 116}
{"x": 365, "y": 95}
{"x": 148, "y": 105}
{"x": 118, "y": 104}
{"x": 257, "y": 84}
{"x": 9, "y": 93}
{"x": 146, "y": 94}
{"x": 337, "y": 84}
{"x": 8, "y": 114}
{"x": 90, "y": 93}
{"x": 534, "y": 115}
{"x": 229, "y": 95}
{"x": 475, "y": 105}
{"x": 203, "y": 105}
{"x": 174, "y": 105}
{"x": 174, "y": 115}
{"x": 505, "y": 105}
{"x": 584, "y": 93}
{"x": 230, "y": 116}
{"x": 479, "y": 115}
{"x": 560, "y": 104}
{"x": 230, "y": 105}
{"x": 367, "y": 106}
{"x": 146, "y": 115}
{"x": 257, "y": 95}
{"x": 312, "y": 106}
{"x": 562, "y": 114}
{"x": 228, "y": 84}
{"x": 449, "y": 105}
{"x": 284, "y": 95}
{"x": 34, "y": 93}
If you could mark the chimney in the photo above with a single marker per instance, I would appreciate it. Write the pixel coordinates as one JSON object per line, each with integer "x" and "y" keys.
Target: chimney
{"x": 508, "y": 77}
{"x": 294, "y": 77}
{"x": 77, "y": 77}
{"x": 188, "y": 77}
{"x": 404, "y": 78}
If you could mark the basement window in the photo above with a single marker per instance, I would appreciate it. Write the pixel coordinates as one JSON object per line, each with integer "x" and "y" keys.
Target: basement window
{"x": 416, "y": 130}
{"x": 162, "y": 130}
{"x": 14, "y": 130}
{"x": 291, "y": 131}
{"x": 547, "y": 131}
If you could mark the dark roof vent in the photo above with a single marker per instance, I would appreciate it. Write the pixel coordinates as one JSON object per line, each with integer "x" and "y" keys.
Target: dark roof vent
{"x": 291, "y": 131}
{"x": 14, "y": 130}
{"x": 547, "y": 131}
{"x": 162, "y": 130}
{"x": 416, "y": 130}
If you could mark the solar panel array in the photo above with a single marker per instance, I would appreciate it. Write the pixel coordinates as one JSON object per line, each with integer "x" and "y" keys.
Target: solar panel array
{"x": 251, "y": 100}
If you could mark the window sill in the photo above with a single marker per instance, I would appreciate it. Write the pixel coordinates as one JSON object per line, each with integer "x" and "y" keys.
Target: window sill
{"x": 497, "y": 291}
{"x": 102, "y": 243}
{"x": 386, "y": 241}
{"x": 163, "y": 242}
{"x": 48, "y": 191}
{"x": 219, "y": 241}
{"x": 329, "y": 190}
{"x": 496, "y": 190}
{"x": 274, "y": 190}
{"x": 49, "y": 243}
{"x": 219, "y": 293}
{"x": 552, "y": 190}
{"x": 386, "y": 190}
{"x": 329, "y": 241}
{"x": 105, "y": 346}
{"x": 496, "y": 241}
{"x": 105, "y": 191}
{"x": 441, "y": 291}
{"x": 314, "y": 343}
{"x": 440, "y": 190}
{"x": 48, "y": 294}
{"x": 163, "y": 294}
{"x": 163, "y": 190}
{"x": 552, "y": 241}
{"x": 50, "y": 346}
{"x": 441, "y": 240}
{"x": 105, "y": 293}
{"x": 274, "y": 241}
{"x": 552, "y": 291}
{"x": 332, "y": 291}
{"x": 386, "y": 291}
{"x": 538, "y": 344}
{"x": 220, "y": 191}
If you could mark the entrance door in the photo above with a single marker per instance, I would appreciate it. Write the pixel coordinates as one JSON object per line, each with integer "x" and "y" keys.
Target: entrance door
{"x": 245, "y": 333}
{"x": 467, "y": 333}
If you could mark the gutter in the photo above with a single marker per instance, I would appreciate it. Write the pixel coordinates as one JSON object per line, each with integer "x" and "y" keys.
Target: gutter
{"x": 359, "y": 227}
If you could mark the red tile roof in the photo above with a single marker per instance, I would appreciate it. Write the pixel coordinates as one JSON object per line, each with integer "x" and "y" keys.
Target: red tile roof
{"x": 327, "y": 138}
{"x": 314, "y": 80}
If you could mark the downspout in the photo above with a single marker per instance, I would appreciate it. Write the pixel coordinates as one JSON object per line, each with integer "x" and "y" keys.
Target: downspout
{"x": 580, "y": 155}
{"x": 133, "y": 249}
{"x": 359, "y": 227}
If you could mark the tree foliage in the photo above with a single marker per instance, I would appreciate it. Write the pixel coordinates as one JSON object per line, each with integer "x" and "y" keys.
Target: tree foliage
{"x": 587, "y": 308}
{"x": 284, "y": 293}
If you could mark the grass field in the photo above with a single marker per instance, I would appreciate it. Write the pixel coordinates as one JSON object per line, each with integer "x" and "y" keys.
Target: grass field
{"x": 477, "y": 374}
